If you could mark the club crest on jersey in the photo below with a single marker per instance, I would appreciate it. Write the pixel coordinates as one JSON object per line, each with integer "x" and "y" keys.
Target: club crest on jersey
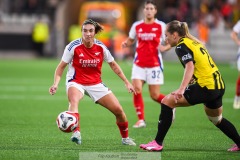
{"x": 154, "y": 29}
{"x": 97, "y": 53}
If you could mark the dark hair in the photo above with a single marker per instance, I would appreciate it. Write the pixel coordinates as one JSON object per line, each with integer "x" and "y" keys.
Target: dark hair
{"x": 98, "y": 27}
{"x": 182, "y": 29}
{"x": 151, "y": 2}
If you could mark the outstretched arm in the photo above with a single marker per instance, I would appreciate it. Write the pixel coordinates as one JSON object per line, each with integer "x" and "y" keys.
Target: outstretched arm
{"x": 117, "y": 69}
{"x": 57, "y": 77}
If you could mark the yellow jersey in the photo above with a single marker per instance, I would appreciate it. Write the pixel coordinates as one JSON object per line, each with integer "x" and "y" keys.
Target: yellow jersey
{"x": 206, "y": 72}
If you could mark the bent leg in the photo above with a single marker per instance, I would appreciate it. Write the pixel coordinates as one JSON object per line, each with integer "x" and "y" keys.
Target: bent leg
{"x": 155, "y": 94}
{"x": 110, "y": 102}
{"x": 215, "y": 116}
{"x": 74, "y": 96}
{"x": 166, "y": 116}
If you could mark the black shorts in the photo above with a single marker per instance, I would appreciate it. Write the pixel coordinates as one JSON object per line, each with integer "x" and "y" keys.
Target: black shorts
{"x": 211, "y": 98}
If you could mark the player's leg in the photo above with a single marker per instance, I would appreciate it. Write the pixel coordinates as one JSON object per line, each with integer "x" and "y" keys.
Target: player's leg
{"x": 74, "y": 96}
{"x": 138, "y": 103}
{"x": 138, "y": 79}
{"x": 215, "y": 116}
{"x": 155, "y": 78}
{"x": 194, "y": 94}
{"x": 110, "y": 102}
{"x": 236, "y": 103}
{"x": 164, "y": 122}
{"x": 154, "y": 90}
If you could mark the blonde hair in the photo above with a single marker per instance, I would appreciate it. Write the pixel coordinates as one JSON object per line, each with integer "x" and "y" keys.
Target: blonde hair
{"x": 182, "y": 29}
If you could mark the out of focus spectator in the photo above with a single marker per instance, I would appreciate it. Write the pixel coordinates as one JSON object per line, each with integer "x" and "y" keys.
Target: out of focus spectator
{"x": 203, "y": 30}
{"x": 74, "y": 32}
{"x": 40, "y": 35}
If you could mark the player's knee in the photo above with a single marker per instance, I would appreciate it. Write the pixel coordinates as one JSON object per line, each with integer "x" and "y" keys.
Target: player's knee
{"x": 154, "y": 96}
{"x": 138, "y": 90}
{"x": 215, "y": 120}
{"x": 118, "y": 112}
{"x": 120, "y": 115}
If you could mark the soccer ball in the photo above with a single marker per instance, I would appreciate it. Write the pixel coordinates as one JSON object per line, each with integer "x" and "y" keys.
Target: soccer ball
{"x": 67, "y": 121}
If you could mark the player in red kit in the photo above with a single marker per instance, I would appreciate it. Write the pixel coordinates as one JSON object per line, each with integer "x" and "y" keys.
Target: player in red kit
{"x": 148, "y": 63}
{"x": 84, "y": 57}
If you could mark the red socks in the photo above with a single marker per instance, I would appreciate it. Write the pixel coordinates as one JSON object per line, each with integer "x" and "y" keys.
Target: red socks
{"x": 161, "y": 96}
{"x": 238, "y": 87}
{"x": 123, "y": 128}
{"x": 139, "y": 106}
{"x": 78, "y": 127}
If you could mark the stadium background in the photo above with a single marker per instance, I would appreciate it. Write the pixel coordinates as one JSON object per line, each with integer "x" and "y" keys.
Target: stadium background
{"x": 17, "y": 18}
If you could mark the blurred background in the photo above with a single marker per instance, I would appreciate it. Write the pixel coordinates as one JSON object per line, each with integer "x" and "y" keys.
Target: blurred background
{"x": 42, "y": 28}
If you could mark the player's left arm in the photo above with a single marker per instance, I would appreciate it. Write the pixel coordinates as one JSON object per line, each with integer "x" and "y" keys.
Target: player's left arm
{"x": 188, "y": 74}
{"x": 117, "y": 69}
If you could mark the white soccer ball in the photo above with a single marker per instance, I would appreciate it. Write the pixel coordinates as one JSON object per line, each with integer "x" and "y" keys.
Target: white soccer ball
{"x": 67, "y": 121}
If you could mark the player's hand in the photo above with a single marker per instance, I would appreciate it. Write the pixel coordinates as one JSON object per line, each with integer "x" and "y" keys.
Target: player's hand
{"x": 130, "y": 88}
{"x": 124, "y": 44}
{"x": 178, "y": 94}
{"x": 53, "y": 89}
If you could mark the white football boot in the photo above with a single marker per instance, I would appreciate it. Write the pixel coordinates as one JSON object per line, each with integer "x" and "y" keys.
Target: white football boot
{"x": 76, "y": 137}
{"x": 128, "y": 141}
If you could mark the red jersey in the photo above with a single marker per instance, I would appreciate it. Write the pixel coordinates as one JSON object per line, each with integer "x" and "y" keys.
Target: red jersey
{"x": 148, "y": 36}
{"x": 85, "y": 64}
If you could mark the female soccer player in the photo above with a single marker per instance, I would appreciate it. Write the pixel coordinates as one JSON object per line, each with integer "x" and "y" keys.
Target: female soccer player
{"x": 206, "y": 86}
{"x": 84, "y": 58}
{"x": 148, "y": 64}
{"x": 234, "y": 35}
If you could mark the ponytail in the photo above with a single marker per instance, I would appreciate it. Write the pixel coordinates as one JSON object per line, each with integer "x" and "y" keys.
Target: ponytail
{"x": 182, "y": 29}
{"x": 187, "y": 33}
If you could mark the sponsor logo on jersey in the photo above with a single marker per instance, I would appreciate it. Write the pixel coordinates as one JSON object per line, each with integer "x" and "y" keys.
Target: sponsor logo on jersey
{"x": 89, "y": 62}
{"x": 154, "y": 29}
{"x": 146, "y": 36}
{"x": 186, "y": 57}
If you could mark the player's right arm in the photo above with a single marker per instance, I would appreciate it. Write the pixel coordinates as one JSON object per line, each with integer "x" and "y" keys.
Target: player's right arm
{"x": 234, "y": 36}
{"x": 131, "y": 37}
{"x": 57, "y": 77}
{"x": 235, "y": 32}
{"x": 128, "y": 42}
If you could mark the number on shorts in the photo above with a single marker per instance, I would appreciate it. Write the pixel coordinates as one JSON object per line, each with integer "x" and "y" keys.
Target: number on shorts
{"x": 156, "y": 74}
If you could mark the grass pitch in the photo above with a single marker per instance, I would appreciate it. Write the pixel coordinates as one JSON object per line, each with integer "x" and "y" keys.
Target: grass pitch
{"x": 28, "y": 114}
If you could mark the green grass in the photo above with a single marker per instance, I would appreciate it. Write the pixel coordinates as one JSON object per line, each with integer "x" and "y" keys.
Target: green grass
{"x": 28, "y": 113}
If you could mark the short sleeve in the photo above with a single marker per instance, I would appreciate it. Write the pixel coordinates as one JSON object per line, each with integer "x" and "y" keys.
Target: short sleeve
{"x": 67, "y": 54}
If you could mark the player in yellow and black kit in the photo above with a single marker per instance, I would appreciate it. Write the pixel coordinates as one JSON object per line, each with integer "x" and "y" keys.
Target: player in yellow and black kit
{"x": 201, "y": 83}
